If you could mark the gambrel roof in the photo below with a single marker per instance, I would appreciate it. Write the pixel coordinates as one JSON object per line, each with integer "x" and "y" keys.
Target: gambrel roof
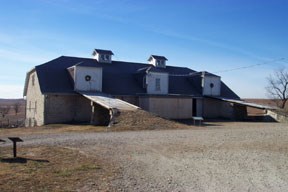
{"x": 120, "y": 78}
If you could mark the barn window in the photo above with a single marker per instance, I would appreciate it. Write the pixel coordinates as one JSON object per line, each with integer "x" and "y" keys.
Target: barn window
{"x": 211, "y": 85}
{"x": 33, "y": 80}
{"x": 159, "y": 63}
{"x": 35, "y": 107}
{"x": 144, "y": 82}
{"x": 157, "y": 84}
{"x": 88, "y": 78}
{"x": 107, "y": 57}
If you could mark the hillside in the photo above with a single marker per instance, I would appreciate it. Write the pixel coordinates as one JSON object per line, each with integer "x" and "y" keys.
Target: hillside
{"x": 11, "y": 102}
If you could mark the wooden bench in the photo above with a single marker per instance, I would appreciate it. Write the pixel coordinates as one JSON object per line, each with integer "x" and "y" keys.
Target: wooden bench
{"x": 199, "y": 119}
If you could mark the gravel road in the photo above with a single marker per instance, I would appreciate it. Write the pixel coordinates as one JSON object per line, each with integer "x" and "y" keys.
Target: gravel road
{"x": 233, "y": 157}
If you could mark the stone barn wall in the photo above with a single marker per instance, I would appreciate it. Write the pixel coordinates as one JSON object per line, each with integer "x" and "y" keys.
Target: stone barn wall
{"x": 168, "y": 107}
{"x": 216, "y": 109}
{"x": 67, "y": 109}
{"x": 34, "y": 102}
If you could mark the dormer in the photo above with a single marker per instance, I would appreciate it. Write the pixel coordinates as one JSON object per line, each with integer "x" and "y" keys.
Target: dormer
{"x": 211, "y": 84}
{"x": 86, "y": 77}
{"x": 103, "y": 56}
{"x": 157, "y": 61}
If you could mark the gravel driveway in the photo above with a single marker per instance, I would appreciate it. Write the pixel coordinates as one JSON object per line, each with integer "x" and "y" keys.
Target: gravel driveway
{"x": 234, "y": 157}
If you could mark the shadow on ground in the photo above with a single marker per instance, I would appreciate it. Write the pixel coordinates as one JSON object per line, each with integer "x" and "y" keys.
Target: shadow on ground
{"x": 22, "y": 160}
{"x": 190, "y": 122}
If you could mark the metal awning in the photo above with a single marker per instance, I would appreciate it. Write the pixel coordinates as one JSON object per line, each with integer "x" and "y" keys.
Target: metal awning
{"x": 109, "y": 102}
{"x": 248, "y": 104}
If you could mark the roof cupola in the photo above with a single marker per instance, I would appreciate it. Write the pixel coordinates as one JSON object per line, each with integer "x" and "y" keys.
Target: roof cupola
{"x": 103, "y": 56}
{"x": 157, "y": 61}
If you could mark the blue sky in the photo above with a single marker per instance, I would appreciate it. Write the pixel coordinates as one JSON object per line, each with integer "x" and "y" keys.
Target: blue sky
{"x": 204, "y": 35}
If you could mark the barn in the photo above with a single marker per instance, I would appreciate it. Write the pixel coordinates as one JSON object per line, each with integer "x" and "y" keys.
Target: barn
{"x": 85, "y": 90}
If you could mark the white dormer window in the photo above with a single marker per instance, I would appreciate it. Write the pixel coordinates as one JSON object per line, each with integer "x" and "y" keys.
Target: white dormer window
{"x": 161, "y": 63}
{"x": 157, "y": 84}
{"x": 158, "y": 63}
{"x": 102, "y": 57}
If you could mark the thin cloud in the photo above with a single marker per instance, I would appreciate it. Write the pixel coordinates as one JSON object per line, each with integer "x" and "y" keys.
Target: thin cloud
{"x": 9, "y": 55}
{"x": 210, "y": 43}
{"x": 98, "y": 8}
{"x": 6, "y": 39}
{"x": 4, "y": 77}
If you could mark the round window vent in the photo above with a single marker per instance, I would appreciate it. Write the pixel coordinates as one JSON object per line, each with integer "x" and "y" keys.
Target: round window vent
{"x": 211, "y": 85}
{"x": 88, "y": 78}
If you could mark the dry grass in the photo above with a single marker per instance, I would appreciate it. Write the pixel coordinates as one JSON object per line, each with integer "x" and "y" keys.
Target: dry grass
{"x": 50, "y": 129}
{"x": 53, "y": 169}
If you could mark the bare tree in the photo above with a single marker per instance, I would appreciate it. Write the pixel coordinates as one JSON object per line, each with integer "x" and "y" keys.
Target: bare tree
{"x": 278, "y": 86}
{"x": 4, "y": 111}
{"x": 17, "y": 106}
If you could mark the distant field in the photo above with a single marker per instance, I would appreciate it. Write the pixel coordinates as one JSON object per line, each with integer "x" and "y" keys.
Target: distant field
{"x": 12, "y": 112}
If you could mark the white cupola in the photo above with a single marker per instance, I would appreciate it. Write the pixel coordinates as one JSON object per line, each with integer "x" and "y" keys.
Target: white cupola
{"x": 157, "y": 61}
{"x": 103, "y": 56}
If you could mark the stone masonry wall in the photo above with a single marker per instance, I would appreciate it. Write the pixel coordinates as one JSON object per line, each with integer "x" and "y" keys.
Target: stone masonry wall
{"x": 213, "y": 108}
{"x": 67, "y": 109}
{"x": 34, "y": 102}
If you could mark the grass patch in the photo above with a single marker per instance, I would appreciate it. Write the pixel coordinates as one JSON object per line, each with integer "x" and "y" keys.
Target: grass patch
{"x": 67, "y": 172}
{"x": 50, "y": 129}
{"x": 53, "y": 169}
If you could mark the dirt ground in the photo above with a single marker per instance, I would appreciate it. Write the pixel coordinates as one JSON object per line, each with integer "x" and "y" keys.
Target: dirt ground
{"x": 143, "y": 120}
{"x": 229, "y": 156}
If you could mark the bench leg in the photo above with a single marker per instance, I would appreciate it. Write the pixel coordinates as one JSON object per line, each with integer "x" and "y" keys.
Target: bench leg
{"x": 14, "y": 149}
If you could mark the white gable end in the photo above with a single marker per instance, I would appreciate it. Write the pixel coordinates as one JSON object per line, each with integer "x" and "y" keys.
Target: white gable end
{"x": 88, "y": 78}
{"x": 157, "y": 83}
{"x": 211, "y": 85}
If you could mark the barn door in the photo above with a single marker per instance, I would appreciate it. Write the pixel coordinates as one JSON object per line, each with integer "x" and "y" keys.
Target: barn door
{"x": 194, "y": 107}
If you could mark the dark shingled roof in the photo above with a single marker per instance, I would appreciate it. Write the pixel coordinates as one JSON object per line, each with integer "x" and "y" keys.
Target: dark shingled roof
{"x": 120, "y": 78}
